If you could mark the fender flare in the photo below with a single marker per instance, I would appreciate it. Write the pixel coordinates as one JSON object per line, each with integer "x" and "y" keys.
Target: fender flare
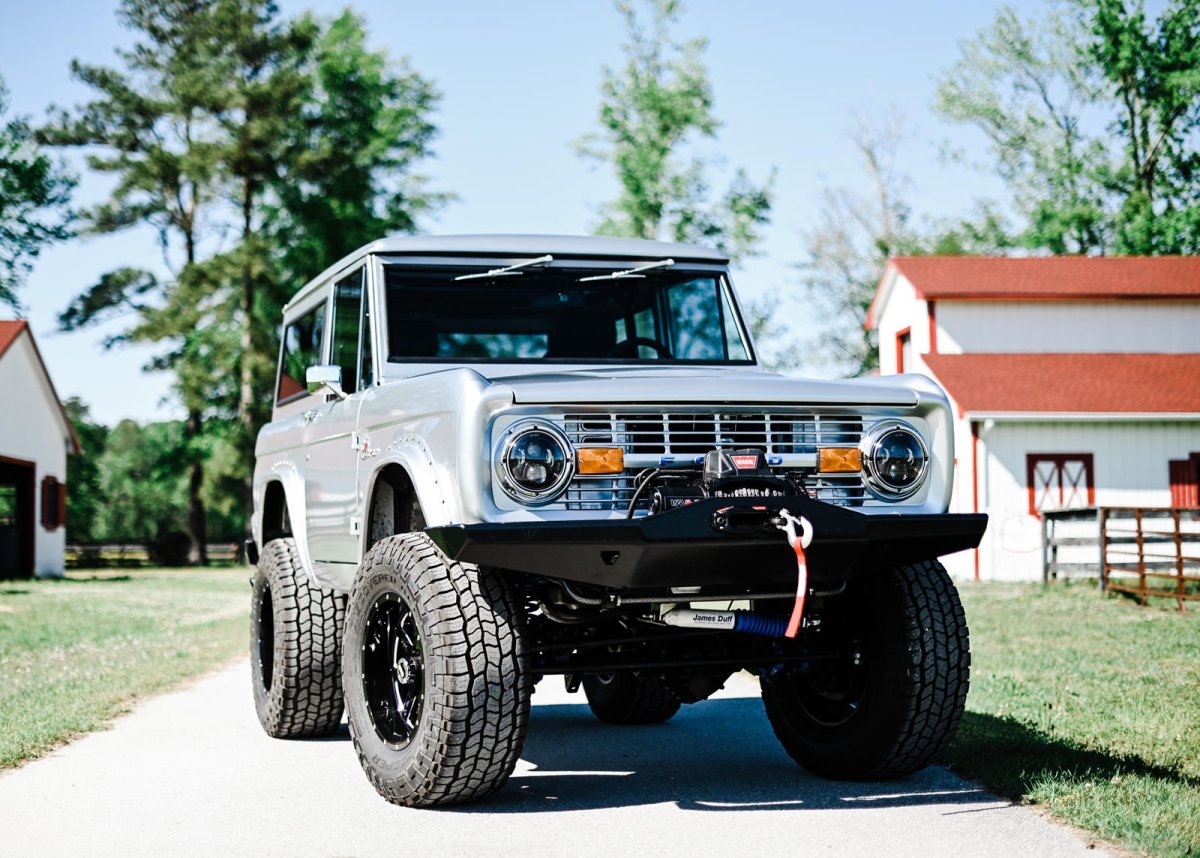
{"x": 412, "y": 455}
{"x": 283, "y": 471}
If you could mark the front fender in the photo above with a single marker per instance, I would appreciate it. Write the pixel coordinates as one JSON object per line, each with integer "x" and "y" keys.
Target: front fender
{"x": 284, "y": 472}
{"x": 432, "y": 486}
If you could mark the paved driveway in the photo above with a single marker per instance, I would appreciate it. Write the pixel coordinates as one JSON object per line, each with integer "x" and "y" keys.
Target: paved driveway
{"x": 191, "y": 773}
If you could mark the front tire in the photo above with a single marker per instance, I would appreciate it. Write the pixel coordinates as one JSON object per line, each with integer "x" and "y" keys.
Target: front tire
{"x": 890, "y": 715}
{"x": 295, "y": 647}
{"x": 436, "y": 674}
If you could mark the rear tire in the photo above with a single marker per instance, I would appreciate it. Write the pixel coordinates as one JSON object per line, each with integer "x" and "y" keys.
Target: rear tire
{"x": 629, "y": 698}
{"x": 436, "y": 674}
{"x": 893, "y": 714}
{"x": 295, "y": 647}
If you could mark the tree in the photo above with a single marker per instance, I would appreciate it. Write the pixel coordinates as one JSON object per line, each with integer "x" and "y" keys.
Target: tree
{"x": 1153, "y": 74}
{"x": 348, "y": 175}
{"x": 1025, "y": 85}
{"x": 85, "y": 502}
{"x": 35, "y": 191}
{"x": 150, "y": 126}
{"x": 260, "y": 84}
{"x": 226, "y": 120}
{"x": 847, "y": 249}
{"x": 1092, "y": 116}
{"x": 324, "y": 137}
{"x": 651, "y": 113}
{"x": 143, "y": 489}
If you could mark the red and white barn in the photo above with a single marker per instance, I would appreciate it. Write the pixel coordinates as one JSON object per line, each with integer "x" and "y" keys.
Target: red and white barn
{"x": 1075, "y": 382}
{"x": 35, "y": 437}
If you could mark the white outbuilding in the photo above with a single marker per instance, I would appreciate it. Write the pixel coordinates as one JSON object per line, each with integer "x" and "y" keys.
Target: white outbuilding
{"x": 35, "y": 437}
{"x": 1075, "y": 383}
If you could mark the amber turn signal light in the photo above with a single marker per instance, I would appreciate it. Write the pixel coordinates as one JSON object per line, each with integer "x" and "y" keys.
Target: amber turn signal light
{"x": 600, "y": 460}
{"x": 839, "y": 460}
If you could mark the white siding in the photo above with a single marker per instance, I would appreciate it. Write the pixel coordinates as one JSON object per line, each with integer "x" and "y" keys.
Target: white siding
{"x": 1130, "y": 469}
{"x": 31, "y": 429}
{"x": 903, "y": 310}
{"x": 1060, "y": 326}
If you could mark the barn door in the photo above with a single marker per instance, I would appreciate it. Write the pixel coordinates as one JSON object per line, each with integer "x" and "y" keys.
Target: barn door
{"x": 16, "y": 518}
{"x": 1185, "y": 481}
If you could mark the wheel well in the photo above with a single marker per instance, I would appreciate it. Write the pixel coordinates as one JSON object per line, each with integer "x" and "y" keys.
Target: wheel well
{"x": 276, "y": 522}
{"x": 394, "y": 507}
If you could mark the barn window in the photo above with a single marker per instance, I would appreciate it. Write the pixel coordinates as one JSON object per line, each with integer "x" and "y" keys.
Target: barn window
{"x": 1059, "y": 481}
{"x": 54, "y": 503}
{"x": 904, "y": 350}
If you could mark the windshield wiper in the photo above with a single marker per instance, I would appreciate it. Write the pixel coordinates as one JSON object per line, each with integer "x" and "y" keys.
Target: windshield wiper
{"x": 508, "y": 271}
{"x": 630, "y": 272}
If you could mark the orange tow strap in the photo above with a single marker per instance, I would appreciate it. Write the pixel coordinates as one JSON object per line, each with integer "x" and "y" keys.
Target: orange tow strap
{"x": 798, "y": 541}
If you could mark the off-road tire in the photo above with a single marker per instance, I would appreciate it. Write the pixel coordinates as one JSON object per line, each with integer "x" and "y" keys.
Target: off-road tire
{"x": 917, "y": 667}
{"x": 629, "y": 698}
{"x": 295, "y": 647}
{"x": 474, "y": 674}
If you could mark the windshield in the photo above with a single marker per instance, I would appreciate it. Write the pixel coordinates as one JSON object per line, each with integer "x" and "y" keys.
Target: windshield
{"x": 547, "y": 314}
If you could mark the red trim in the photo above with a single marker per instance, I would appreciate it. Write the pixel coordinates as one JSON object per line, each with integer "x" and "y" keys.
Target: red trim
{"x": 931, "y": 306}
{"x": 1060, "y": 297}
{"x": 1060, "y": 460}
{"x": 975, "y": 481}
{"x": 900, "y": 335}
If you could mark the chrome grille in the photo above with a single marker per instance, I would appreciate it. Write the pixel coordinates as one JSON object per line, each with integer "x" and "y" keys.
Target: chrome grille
{"x": 647, "y": 436}
{"x": 692, "y": 433}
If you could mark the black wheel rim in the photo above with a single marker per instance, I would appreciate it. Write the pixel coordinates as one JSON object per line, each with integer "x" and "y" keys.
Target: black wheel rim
{"x": 831, "y": 693}
{"x": 266, "y": 639}
{"x": 393, "y": 670}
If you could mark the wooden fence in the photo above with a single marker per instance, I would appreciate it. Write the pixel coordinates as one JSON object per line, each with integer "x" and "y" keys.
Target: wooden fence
{"x": 1144, "y": 551}
{"x": 92, "y": 555}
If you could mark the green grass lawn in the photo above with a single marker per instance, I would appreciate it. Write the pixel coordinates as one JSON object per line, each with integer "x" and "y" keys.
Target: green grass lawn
{"x": 1089, "y": 707}
{"x": 76, "y": 652}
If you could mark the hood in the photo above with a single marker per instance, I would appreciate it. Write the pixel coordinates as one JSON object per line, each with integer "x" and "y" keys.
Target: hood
{"x": 623, "y": 386}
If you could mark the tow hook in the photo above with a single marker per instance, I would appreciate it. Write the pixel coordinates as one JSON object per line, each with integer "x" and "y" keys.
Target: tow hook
{"x": 799, "y": 540}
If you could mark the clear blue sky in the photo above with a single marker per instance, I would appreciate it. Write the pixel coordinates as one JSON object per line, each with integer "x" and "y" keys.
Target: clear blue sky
{"x": 520, "y": 83}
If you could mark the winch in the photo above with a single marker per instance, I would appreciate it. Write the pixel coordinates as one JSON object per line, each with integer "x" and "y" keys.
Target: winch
{"x": 723, "y": 474}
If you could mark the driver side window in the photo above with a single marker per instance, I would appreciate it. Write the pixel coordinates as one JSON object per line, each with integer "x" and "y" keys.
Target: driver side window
{"x": 300, "y": 349}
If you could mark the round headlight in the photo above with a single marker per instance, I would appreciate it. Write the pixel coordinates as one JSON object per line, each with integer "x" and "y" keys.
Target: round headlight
{"x": 894, "y": 461}
{"x": 535, "y": 463}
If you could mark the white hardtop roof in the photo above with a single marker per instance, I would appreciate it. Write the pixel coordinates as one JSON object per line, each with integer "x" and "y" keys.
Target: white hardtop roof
{"x": 567, "y": 246}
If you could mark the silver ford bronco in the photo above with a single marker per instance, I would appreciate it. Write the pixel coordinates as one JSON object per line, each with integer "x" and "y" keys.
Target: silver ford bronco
{"x": 498, "y": 458}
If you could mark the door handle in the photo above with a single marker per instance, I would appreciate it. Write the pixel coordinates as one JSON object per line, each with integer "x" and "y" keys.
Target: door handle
{"x": 311, "y": 416}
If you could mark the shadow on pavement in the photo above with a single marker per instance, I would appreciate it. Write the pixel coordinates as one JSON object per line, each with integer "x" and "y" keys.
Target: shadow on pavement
{"x": 719, "y": 755}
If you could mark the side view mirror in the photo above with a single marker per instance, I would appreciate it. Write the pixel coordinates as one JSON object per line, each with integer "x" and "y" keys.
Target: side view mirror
{"x": 327, "y": 378}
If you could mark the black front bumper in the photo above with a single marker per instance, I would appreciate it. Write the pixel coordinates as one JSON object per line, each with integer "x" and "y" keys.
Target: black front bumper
{"x": 688, "y": 547}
